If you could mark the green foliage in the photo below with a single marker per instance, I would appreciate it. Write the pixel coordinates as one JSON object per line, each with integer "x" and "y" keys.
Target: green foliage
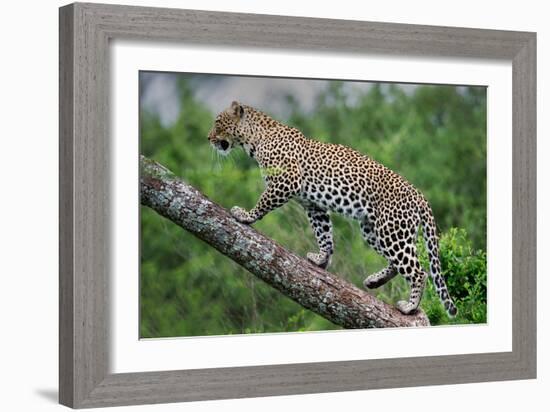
{"x": 434, "y": 136}
{"x": 465, "y": 272}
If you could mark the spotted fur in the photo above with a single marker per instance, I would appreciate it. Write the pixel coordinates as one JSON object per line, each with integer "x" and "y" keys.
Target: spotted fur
{"x": 326, "y": 178}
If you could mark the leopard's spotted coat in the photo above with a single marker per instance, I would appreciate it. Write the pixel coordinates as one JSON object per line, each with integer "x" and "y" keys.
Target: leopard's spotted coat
{"x": 334, "y": 178}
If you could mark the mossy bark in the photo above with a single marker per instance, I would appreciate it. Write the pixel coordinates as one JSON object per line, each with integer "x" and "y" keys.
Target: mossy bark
{"x": 315, "y": 289}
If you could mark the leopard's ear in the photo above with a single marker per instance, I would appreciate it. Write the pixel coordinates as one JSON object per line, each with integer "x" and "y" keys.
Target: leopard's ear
{"x": 237, "y": 110}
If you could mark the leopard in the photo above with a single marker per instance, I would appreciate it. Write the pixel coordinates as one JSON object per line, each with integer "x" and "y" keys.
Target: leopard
{"x": 326, "y": 178}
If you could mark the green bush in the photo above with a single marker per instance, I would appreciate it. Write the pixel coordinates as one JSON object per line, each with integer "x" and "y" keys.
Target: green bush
{"x": 465, "y": 271}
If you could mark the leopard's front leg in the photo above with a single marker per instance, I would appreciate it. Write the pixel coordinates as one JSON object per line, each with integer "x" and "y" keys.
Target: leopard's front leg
{"x": 322, "y": 228}
{"x": 242, "y": 215}
{"x": 278, "y": 191}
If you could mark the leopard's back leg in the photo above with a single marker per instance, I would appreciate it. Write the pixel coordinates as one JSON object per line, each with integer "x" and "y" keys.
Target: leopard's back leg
{"x": 409, "y": 267}
{"x": 383, "y": 276}
{"x": 401, "y": 245}
{"x": 397, "y": 241}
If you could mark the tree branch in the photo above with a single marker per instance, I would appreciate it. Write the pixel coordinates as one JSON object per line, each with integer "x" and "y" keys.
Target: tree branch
{"x": 315, "y": 289}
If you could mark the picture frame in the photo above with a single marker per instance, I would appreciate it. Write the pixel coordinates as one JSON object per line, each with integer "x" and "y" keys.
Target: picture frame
{"x": 85, "y": 33}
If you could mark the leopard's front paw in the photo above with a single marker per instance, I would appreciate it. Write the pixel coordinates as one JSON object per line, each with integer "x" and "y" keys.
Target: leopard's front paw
{"x": 241, "y": 215}
{"x": 405, "y": 307}
{"x": 320, "y": 259}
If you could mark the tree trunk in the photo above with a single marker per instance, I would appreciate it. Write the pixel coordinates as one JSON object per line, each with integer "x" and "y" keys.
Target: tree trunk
{"x": 315, "y": 289}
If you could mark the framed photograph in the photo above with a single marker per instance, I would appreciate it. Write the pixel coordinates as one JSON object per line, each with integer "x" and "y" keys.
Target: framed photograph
{"x": 256, "y": 205}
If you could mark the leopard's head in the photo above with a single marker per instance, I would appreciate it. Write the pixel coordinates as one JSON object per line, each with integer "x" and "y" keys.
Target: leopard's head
{"x": 227, "y": 129}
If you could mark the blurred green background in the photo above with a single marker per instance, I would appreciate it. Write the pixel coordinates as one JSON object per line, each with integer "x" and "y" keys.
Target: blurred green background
{"x": 435, "y": 136}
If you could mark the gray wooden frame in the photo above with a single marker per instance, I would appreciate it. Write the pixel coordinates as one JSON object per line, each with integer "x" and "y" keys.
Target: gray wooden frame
{"x": 85, "y": 31}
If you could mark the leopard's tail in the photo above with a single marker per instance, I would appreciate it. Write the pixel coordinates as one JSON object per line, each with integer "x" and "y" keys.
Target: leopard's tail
{"x": 429, "y": 231}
